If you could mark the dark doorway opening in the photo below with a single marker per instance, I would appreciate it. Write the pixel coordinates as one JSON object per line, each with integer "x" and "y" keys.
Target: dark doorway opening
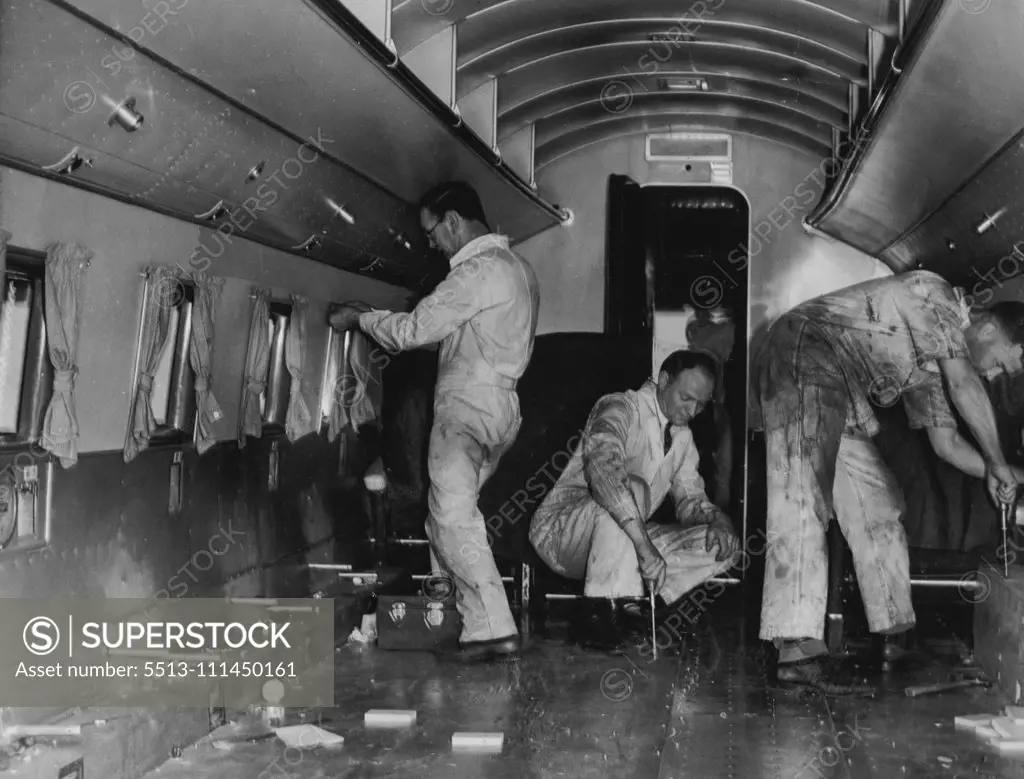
{"x": 696, "y": 241}
{"x": 677, "y": 276}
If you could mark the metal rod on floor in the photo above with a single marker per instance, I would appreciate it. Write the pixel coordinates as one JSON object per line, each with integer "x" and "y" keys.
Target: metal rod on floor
{"x": 421, "y": 576}
{"x": 961, "y": 584}
{"x": 330, "y": 566}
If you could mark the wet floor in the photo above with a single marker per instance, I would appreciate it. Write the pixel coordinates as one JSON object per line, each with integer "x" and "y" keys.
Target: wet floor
{"x": 708, "y": 712}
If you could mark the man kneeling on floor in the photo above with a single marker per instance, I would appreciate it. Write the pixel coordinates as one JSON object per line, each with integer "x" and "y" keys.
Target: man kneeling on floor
{"x": 593, "y": 525}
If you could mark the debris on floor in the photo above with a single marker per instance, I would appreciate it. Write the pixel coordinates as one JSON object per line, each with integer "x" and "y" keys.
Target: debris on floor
{"x": 308, "y": 737}
{"x": 1004, "y": 731}
{"x": 366, "y": 633}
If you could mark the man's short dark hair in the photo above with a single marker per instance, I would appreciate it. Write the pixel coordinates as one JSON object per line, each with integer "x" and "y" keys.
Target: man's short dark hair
{"x": 455, "y": 196}
{"x": 1009, "y": 315}
{"x": 683, "y": 360}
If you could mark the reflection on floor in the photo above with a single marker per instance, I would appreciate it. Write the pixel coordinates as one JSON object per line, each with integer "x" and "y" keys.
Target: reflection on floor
{"x": 705, "y": 712}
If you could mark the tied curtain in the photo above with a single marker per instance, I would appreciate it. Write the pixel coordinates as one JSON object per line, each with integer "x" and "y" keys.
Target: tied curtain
{"x": 298, "y": 420}
{"x": 357, "y": 392}
{"x": 362, "y": 380}
{"x": 208, "y": 411}
{"x": 65, "y": 269}
{"x": 339, "y": 413}
{"x": 163, "y": 292}
{"x": 257, "y": 363}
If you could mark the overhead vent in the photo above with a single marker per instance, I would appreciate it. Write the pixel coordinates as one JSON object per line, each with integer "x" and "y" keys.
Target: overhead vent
{"x": 713, "y": 149}
{"x": 683, "y": 84}
{"x": 671, "y": 36}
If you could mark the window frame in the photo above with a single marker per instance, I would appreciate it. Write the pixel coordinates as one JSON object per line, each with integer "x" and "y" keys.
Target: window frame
{"x": 179, "y": 427}
{"x": 36, "y": 394}
{"x": 37, "y": 379}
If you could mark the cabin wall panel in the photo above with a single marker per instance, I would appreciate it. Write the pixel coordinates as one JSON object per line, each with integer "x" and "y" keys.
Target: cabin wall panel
{"x": 112, "y": 535}
{"x": 156, "y": 544}
{"x": 124, "y": 239}
{"x": 787, "y": 266}
{"x": 212, "y": 541}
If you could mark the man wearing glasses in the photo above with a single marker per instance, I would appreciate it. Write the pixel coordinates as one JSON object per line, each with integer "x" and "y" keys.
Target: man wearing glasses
{"x": 484, "y": 316}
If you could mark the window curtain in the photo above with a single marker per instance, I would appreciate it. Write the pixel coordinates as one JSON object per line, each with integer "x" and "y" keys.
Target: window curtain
{"x": 162, "y": 287}
{"x": 5, "y": 237}
{"x": 65, "y": 268}
{"x": 364, "y": 361}
{"x": 207, "y": 298}
{"x": 298, "y": 420}
{"x": 257, "y": 363}
{"x": 339, "y": 409}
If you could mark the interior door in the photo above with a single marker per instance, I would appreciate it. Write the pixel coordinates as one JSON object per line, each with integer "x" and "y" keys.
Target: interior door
{"x": 628, "y": 286}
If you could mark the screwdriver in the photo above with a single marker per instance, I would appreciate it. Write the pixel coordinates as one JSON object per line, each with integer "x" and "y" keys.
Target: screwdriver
{"x": 1006, "y": 551}
{"x": 654, "y": 635}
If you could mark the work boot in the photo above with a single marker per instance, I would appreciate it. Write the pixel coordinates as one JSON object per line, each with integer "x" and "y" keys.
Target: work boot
{"x": 483, "y": 651}
{"x": 898, "y": 650}
{"x": 807, "y": 665}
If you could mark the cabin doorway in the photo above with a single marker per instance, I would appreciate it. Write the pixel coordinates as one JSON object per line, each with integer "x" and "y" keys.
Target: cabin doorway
{"x": 677, "y": 274}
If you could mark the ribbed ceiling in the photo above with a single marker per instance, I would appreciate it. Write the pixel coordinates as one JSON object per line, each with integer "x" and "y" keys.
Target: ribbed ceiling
{"x": 587, "y": 70}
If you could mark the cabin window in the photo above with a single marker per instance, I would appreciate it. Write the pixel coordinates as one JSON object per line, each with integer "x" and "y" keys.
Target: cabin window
{"x": 173, "y": 397}
{"x": 26, "y": 385}
{"x": 26, "y": 376}
{"x": 274, "y": 398}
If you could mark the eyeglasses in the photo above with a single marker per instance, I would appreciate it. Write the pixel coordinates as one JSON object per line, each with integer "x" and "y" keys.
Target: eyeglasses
{"x": 430, "y": 233}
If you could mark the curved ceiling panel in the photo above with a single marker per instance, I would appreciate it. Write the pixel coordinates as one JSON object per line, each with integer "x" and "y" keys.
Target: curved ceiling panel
{"x": 414, "y": 21}
{"x": 712, "y": 36}
{"x": 510, "y": 22}
{"x": 617, "y": 101}
{"x": 578, "y": 117}
{"x": 619, "y": 62}
{"x": 623, "y": 126}
{"x": 695, "y": 53}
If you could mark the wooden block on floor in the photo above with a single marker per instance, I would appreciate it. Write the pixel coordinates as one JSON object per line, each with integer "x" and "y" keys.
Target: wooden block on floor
{"x": 477, "y": 742}
{"x": 987, "y": 732}
{"x": 973, "y": 721}
{"x": 389, "y": 718}
{"x": 1007, "y": 728}
{"x": 999, "y": 628}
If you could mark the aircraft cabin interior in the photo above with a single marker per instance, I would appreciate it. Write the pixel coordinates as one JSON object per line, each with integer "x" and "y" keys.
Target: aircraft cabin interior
{"x": 364, "y": 323}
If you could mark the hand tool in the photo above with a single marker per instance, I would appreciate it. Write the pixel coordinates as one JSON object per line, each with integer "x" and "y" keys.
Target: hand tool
{"x": 654, "y": 635}
{"x": 926, "y": 689}
{"x": 1006, "y": 549}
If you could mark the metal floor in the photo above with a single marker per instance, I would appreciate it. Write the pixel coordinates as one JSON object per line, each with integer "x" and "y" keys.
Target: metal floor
{"x": 566, "y": 712}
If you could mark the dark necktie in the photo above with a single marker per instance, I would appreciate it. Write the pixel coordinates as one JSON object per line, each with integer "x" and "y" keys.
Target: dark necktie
{"x": 668, "y": 437}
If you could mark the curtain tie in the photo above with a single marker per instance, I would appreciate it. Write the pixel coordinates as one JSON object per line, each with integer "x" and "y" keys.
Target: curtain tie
{"x": 64, "y": 380}
{"x": 202, "y": 383}
{"x": 145, "y": 382}
{"x": 256, "y": 386}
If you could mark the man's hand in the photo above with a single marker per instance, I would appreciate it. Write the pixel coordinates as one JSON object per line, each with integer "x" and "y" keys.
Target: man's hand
{"x": 1001, "y": 481}
{"x": 722, "y": 535}
{"x": 652, "y": 566}
{"x": 346, "y": 316}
